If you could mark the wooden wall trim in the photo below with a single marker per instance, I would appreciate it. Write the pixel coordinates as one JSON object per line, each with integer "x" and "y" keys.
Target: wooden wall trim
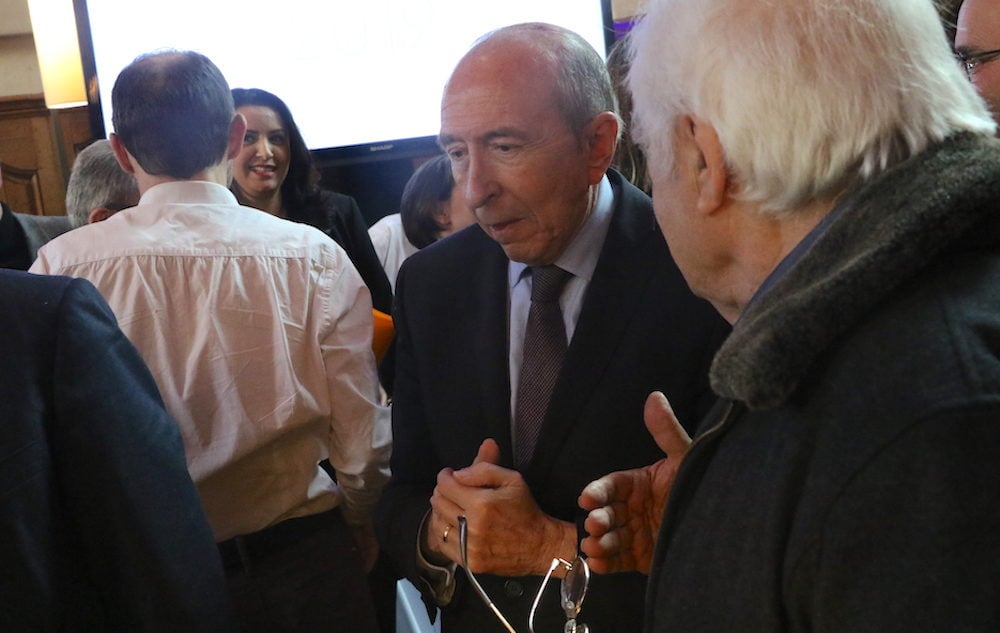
{"x": 23, "y": 105}
{"x": 32, "y": 137}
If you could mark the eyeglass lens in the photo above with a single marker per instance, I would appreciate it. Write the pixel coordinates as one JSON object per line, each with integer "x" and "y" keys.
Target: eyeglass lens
{"x": 573, "y": 590}
{"x": 972, "y": 63}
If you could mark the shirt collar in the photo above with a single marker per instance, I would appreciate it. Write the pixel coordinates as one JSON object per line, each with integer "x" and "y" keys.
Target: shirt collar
{"x": 796, "y": 254}
{"x": 188, "y": 192}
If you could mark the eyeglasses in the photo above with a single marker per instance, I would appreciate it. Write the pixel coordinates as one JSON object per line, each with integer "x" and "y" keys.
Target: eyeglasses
{"x": 572, "y": 591}
{"x": 971, "y": 61}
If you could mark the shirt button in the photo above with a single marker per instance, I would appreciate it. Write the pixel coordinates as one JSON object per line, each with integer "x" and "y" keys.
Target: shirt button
{"x": 513, "y": 589}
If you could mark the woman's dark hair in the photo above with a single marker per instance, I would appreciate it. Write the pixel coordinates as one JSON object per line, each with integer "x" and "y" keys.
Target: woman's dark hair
{"x": 302, "y": 180}
{"x": 426, "y": 191}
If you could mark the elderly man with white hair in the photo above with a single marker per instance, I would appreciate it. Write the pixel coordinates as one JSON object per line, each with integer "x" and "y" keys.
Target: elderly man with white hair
{"x": 826, "y": 176}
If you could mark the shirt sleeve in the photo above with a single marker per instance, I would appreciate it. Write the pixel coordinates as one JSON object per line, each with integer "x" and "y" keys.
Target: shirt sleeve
{"x": 360, "y": 428}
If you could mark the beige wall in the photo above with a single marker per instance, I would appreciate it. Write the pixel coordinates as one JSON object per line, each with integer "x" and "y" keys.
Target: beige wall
{"x": 621, "y": 9}
{"x": 18, "y": 64}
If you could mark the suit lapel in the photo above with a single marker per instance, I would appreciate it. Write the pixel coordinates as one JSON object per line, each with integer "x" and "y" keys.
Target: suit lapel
{"x": 490, "y": 346}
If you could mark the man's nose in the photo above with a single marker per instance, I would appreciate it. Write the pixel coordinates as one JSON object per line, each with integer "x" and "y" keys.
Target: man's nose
{"x": 480, "y": 184}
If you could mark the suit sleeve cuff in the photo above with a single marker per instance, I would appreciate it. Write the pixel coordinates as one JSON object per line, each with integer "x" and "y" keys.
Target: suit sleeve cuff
{"x": 437, "y": 582}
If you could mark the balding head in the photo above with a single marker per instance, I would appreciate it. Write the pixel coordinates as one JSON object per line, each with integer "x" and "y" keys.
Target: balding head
{"x": 575, "y": 71}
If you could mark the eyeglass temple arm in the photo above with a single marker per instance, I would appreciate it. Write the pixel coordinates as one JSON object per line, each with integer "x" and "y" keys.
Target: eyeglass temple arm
{"x": 463, "y": 535}
{"x": 538, "y": 596}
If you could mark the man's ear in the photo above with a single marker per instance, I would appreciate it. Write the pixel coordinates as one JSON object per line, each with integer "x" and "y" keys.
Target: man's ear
{"x": 601, "y": 137}
{"x": 99, "y": 214}
{"x": 237, "y": 130}
{"x": 121, "y": 154}
{"x": 713, "y": 177}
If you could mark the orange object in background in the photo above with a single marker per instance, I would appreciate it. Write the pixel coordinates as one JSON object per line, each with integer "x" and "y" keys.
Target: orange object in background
{"x": 382, "y": 336}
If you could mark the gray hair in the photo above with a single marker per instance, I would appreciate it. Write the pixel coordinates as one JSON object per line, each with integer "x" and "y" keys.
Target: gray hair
{"x": 808, "y": 97}
{"x": 98, "y": 181}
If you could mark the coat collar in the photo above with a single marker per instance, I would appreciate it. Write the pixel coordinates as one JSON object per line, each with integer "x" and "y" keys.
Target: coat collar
{"x": 888, "y": 231}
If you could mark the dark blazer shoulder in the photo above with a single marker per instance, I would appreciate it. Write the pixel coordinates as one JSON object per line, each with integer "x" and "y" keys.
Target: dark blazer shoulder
{"x": 40, "y": 229}
{"x": 461, "y": 260}
{"x": 27, "y": 298}
{"x": 338, "y": 215}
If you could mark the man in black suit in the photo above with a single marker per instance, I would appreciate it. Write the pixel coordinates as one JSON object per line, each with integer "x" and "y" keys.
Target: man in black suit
{"x": 101, "y": 528}
{"x": 528, "y": 122}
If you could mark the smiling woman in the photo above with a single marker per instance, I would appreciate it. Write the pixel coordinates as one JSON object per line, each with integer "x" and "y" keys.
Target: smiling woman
{"x": 262, "y": 164}
{"x": 274, "y": 172}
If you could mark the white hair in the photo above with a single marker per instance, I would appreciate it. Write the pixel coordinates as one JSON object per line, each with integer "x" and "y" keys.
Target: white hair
{"x": 808, "y": 97}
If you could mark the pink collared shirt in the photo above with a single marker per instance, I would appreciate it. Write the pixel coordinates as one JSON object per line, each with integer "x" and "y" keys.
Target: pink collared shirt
{"x": 258, "y": 333}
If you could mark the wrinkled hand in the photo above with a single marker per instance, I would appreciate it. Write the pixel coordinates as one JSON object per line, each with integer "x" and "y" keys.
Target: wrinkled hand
{"x": 626, "y": 507}
{"x": 509, "y": 535}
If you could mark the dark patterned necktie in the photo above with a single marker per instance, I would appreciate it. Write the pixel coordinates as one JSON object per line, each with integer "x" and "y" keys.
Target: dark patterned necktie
{"x": 544, "y": 348}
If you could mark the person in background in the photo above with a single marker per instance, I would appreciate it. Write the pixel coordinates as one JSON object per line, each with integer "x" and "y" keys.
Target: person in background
{"x": 258, "y": 333}
{"x": 101, "y": 528}
{"x": 428, "y": 211}
{"x": 22, "y": 234}
{"x": 98, "y": 187}
{"x": 274, "y": 172}
{"x": 528, "y": 123}
{"x": 842, "y": 214}
{"x": 629, "y": 159}
{"x": 948, "y": 11}
{"x": 977, "y": 45}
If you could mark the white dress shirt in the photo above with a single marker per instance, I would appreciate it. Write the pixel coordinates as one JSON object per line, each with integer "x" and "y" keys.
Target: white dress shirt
{"x": 391, "y": 245}
{"x": 258, "y": 333}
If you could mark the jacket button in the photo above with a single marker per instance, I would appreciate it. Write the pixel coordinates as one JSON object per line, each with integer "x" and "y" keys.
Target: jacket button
{"x": 513, "y": 589}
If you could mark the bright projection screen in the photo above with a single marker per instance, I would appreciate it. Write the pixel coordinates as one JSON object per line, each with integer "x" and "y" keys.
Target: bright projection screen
{"x": 357, "y": 74}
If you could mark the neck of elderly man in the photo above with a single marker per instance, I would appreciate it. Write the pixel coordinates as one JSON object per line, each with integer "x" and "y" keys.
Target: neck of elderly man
{"x": 738, "y": 243}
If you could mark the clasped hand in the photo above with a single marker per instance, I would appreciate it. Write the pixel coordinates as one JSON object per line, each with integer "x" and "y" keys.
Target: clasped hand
{"x": 508, "y": 534}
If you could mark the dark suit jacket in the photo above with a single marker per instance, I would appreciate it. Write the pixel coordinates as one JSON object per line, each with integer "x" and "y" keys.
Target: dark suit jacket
{"x": 41, "y": 229}
{"x": 21, "y": 236}
{"x": 101, "y": 528}
{"x": 338, "y": 216}
{"x": 640, "y": 329}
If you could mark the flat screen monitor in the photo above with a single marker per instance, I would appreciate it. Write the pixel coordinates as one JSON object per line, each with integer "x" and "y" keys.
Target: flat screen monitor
{"x": 361, "y": 77}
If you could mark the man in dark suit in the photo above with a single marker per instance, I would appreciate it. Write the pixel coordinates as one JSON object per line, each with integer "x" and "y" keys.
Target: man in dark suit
{"x": 101, "y": 528}
{"x": 528, "y": 122}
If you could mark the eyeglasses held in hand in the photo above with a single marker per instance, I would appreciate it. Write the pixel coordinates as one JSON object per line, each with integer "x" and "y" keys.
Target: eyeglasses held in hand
{"x": 572, "y": 590}
{"x": 972, "y": 61}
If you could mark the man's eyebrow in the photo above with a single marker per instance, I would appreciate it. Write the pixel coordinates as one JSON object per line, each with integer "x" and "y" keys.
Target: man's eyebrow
{"x": 506, "y": 132}
{"x": 503, "y": 132}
